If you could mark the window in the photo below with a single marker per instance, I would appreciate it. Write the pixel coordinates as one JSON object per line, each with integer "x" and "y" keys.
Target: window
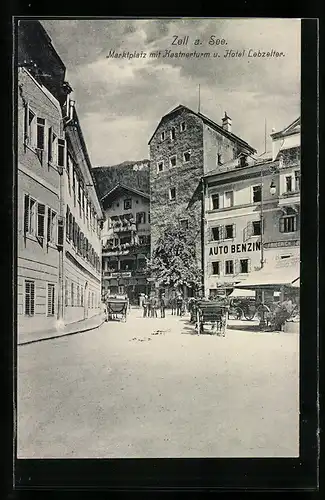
{"x": 216, "y": 233}
{"x": 141, "y": 218}
{"x": 172, "y": 194}
{"x": 229, "y": 199}
{"x": 257, "y": 194}
{"x": 173, "y": 133}
{"x": 297, "y": 180}
{"x": 81, "y": 296}
{"x": 72, "y": 294}
{"x": 61, "y": 152}
{"x": 148, "y": 217}
{"x": 40, "y": 133}
{"x": 66, "y": 293}
{"x": 288, "y": 224}
{"x": 160, "y": 166}
{"x": 78, "y": 295}
{"x": 51, "y": 219}
{"x": 184, "y": 223}
{"x": 243, "y": 161}
{"x": 229, "y": 267}
{"x": 50, "y": 299}
{"x": 29, "y": 215}
{"x": 230, "y": 231}
{"x": 288, "y": 182}
{"x": 52, "y": 145}
{"x": 244, "y": 266}
{"x": 183, "y": 127}
{"x": 29, "y": 298}
{"x": 172, "y": 161}
{"x": 127, "y": 204}
{"x": 34, "y": 217}
{"x": 74, "y": 186}
{"x": 215, "y": 201}
{"x": 256, "y": 228}
{"x": 162, "y": 135}
{"x": 219, "y": 159}
{"x": 216, "y": 267}
{"x": 29, "y": 126}
{"x": 187, "y": 156}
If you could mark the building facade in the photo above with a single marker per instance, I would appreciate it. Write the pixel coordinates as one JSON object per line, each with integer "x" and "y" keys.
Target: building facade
{"x": 252, "y": 213}
{"x": 126, "y": 242}
{"x": 83, "y": 218}
{"x": 184, "y": 147}
{"x": 43, "y": 113}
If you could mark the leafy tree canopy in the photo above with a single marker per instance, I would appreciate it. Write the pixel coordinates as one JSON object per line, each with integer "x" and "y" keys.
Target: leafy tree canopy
{"x": 174, "y": 261}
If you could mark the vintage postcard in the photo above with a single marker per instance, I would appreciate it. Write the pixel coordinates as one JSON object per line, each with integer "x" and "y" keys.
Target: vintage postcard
{"x": 158, "y": 238}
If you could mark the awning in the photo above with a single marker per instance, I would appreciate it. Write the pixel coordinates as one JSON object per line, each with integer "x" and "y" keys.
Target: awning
{"x": 285, "y": 273}
{"x": 242, "y": 293}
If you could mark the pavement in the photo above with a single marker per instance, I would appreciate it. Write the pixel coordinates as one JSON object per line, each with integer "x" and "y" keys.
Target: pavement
{"x": 152, "y": 388}
{"x": 69, "y": 329}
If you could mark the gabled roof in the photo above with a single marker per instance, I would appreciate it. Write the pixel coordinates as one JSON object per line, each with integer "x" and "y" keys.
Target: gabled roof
{"x": 120, "y": 186}
{"x": 209, "y": 122}
{"x": 293, "y": 128}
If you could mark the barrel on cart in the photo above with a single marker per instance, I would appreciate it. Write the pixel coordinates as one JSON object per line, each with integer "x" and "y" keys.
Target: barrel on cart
{"x": 116, "y": 308}
{"x": 212, "y": 315}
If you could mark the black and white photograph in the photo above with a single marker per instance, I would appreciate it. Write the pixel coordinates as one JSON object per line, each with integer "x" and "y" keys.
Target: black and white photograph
{"x": 158, "y": 238}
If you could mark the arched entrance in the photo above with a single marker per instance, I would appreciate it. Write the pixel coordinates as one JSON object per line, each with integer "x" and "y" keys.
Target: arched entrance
{"x": 86, "y": 300}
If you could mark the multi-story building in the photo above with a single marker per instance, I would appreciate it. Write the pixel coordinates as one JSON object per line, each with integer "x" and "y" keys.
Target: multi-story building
{"x": 126, "y": 241}
{"x": 44, "y": 115}
{"x": 184, "y": 147}
{"x": 83, "y": 216}
{"x": 252, "y": 213}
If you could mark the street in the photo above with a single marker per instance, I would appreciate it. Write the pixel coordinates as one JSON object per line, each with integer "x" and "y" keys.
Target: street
{"x": 125, "y": 391}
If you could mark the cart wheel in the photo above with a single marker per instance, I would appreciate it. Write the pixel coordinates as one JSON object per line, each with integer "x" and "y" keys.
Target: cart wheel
{"x": 238, "y": 313}
{"x": 249, "y": 315}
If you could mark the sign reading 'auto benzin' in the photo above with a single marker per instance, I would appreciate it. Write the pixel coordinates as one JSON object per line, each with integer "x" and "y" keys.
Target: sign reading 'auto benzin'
{"x": 236, "y": 248}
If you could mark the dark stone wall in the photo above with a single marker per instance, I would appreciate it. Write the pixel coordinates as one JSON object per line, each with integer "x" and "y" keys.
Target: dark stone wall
{"x": 185, "y": 176}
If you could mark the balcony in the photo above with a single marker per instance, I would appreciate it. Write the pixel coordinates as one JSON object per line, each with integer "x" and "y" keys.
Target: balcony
{"x": 125, "y": 249}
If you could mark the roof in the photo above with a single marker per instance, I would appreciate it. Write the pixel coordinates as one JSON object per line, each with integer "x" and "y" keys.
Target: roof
{"x": 288, "y": 130}
{"x": 242, "y": 293}
{"x": 284, "y": 273}
{"x": 209, "y": 122}
{"x": 232, "y": 166}
{"x": 126, "y": 188}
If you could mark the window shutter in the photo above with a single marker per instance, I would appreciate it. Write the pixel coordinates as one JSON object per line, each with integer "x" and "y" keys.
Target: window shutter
{"x": 236, "y": 264}
{"x": 40, "y": 220}
{"x": 67, "y": 222}
{"x": 234, "y": 230}
{"x": 48, "y": 224}
{"x": 26, "y": 214}
{"x": 26, "y": 124}
{"x": 281, "y": 225}
{"x": 61, "y": 152}
{"x": 49, "y": 145}
{"x": 249, "y": 230}
{"x": 249, "y": 265}
{"x": 221, "y": 232}
{"x": 60, "y": 231}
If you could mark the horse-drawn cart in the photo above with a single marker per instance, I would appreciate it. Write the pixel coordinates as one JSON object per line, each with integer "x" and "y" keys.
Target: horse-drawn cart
{"x": 212, "y": 313}
{"x": 116, "y": 308}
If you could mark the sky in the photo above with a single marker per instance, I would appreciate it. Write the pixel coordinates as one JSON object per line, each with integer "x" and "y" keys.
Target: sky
{"x": 121, "y": 101}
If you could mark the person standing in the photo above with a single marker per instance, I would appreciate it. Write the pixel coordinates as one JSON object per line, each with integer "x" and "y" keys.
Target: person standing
{"x": 145, "y": 306}
{"x": 179, "y": 305}
{"x": 154, "y": 306}
{"x": 162, "y": 306}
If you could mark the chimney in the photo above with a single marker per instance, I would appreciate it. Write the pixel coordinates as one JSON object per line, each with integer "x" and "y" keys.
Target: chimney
{"x": 226, "y": 122}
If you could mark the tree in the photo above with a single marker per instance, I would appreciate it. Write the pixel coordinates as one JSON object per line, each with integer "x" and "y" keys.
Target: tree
{"x": 174, "y": 261}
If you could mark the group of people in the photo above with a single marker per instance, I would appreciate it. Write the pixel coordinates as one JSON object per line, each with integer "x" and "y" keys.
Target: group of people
{"x": 153, "y": 303}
